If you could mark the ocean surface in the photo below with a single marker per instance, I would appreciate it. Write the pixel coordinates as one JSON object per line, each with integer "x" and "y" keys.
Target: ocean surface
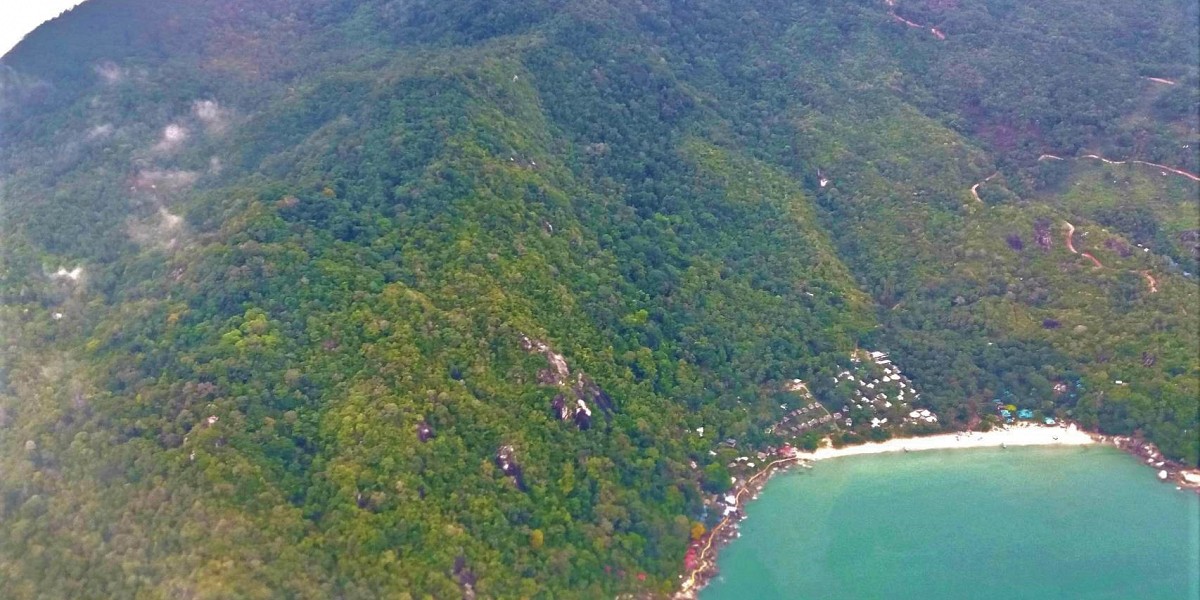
{"x": 1023, "y": 523}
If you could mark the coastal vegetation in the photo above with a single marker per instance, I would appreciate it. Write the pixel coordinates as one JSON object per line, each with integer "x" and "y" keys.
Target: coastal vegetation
{"x": 317, "y": 298}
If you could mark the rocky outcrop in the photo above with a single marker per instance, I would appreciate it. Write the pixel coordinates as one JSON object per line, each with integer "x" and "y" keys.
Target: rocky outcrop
{"x": 506, "y": 460}
{"x": 424, "y": 431}
{"x": 465, "y": 577}
{"x": 579, "y": 393}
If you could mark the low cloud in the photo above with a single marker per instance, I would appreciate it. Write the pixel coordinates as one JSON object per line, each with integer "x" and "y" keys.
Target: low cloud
{"x": 18, "y": 90}
{"x": 207, "y": 110}
{"x": 75, "y": 274}
{"x": 173, "y": 136}
{"x": 109, "y": 72}
{"x": 164, "y": 230}
{"x": 100, "y": 131}
{"x": 214, "y": 116}
{"x": 170, "y": 221}
{"x": 156, "y": 181}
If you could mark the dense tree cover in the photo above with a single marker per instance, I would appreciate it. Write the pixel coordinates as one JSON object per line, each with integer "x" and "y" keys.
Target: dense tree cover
{"x": 313, "y": 234}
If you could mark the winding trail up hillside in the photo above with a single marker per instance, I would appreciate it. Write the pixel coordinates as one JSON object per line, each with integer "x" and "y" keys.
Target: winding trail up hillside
{"x": 975, "y": 188}
{"x": 1151, "y": 282}
{"x": 1142, "y": 162}
{"x": 1070, "y": 237}
{"x": 891, "y": 4}
{"x": 1071, "y": 246}
{"x": 1165, "y": 168}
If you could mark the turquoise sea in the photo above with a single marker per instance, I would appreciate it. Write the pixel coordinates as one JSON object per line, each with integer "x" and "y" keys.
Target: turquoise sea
{"x": 1024, "y": 523}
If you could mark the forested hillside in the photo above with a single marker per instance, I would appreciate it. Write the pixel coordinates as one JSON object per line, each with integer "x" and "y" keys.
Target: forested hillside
{"x": 402, "y": 298}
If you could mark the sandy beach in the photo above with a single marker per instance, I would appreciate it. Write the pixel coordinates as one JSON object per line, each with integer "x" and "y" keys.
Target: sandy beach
{"x": 1020, "y": 435}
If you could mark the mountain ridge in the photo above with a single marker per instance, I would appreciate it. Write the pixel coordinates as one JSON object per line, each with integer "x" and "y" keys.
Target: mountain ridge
{"x": 312, "y": 237}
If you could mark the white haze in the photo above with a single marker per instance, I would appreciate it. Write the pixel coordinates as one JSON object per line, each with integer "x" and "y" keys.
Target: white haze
{"x": 23, "y": 16}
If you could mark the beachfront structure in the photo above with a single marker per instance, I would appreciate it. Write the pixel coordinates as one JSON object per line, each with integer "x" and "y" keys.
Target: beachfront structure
{"x": 877, "y": 389}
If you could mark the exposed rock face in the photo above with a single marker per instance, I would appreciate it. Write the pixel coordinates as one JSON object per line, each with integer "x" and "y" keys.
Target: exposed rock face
{"x": 586, "y": 389}
{"x": 580, "y": 393}
{"x": 507, "y": 462}
{"x": 424, "y": 431}
{"x": 583, "y": 415}
{"x": 559, "y": 407}
{"x": 465, "y": 576}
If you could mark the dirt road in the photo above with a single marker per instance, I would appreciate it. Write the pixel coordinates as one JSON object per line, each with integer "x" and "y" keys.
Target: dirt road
{"x": 1191, "y": 176}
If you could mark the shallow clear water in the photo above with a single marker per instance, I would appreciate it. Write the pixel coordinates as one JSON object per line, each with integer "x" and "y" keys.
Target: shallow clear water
{"x": 1035, "y": 523}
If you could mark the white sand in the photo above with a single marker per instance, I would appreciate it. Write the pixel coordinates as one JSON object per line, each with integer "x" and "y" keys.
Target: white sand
{"x": 1027, "y": 435}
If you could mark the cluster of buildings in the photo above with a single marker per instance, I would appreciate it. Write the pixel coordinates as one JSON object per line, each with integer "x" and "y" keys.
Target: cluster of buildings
{"x": 811, "y": 414}
{"x": 922, "y": 415}
{"x": 881, "y": 395}
{"x": 748, "y": 462}
{"x": 1009, "y": 413}
{"x": 808, "y": 416}
{"x": 881, "y": 390}
{"x": 743, "y": 469}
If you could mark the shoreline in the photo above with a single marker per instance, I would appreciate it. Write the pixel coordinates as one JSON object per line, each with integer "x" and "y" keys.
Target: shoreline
{"x": 1027, "y": 435}
{"x": 696, "y": 579}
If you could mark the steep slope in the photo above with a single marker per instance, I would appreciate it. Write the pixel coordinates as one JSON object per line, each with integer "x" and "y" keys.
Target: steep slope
{"x": 314, "y": 298}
